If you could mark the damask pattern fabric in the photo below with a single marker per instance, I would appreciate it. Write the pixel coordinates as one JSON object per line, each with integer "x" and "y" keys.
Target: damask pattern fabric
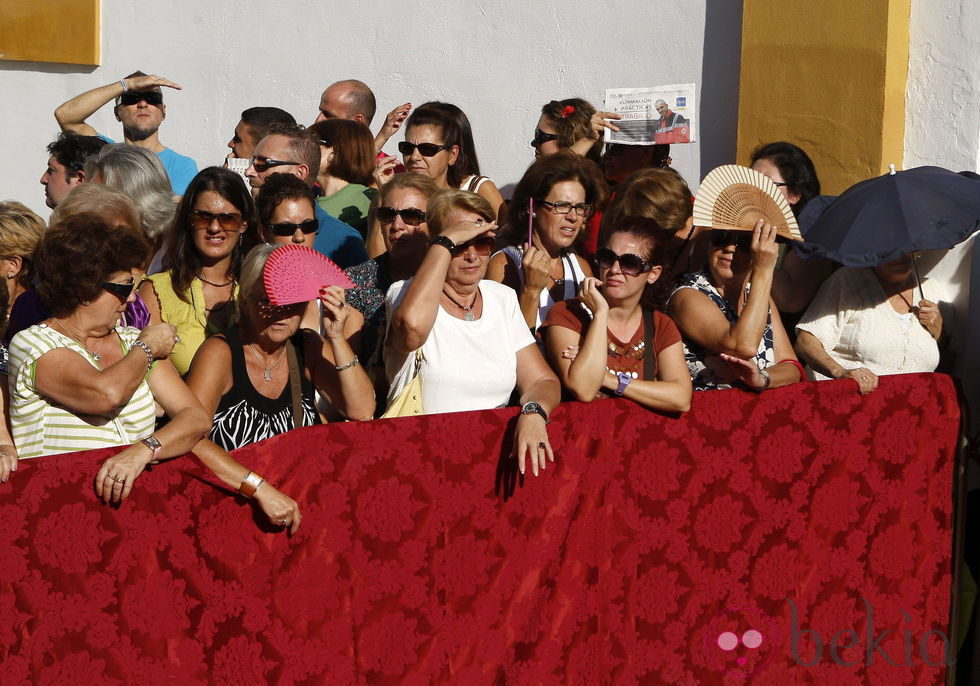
{"x": 632, "y": 560}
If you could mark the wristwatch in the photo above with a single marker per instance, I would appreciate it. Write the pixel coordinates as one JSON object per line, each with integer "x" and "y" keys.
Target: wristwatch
{"x": 153, "y": 444}
{"x": 250, "y": 484}
{"x": 624, "y": 381}
{"x": 444, "y": 242}
{"x": 534, "y": 408}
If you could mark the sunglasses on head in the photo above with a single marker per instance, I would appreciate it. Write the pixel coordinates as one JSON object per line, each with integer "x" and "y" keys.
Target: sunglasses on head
{"x": 228, "y": 221}
{"x": 630, "y": 264}
{"x": 483, "y": 245}
{"x": 410, "y": 215}
{"x": 262, "y": 164}
{"x": 721, "y": 238}
{"x": 540, "y": 137}
{"x": 136, "y": 97}
{"x": 288, "y": 229}
{"x": 425, "y": 149}
{"x": 122, "y": 290}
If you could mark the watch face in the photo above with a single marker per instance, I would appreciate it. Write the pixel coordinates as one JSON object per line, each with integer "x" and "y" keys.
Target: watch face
{"x": 530, "y": 407}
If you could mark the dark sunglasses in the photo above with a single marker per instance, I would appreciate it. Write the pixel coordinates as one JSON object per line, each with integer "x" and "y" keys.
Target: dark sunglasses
{"x": 287, "y": 229}
{"x": 561, "y": 207}
{"x": 122, "y": 290}
{"x": 721, "y": 238}
{"x": 228, "y": 221}
{"x": 261, "y": 164}
{"x": 410, "y": 215}
{"x": 483, "y": 245}
{"x": 136, "y": 97}
{"x": 425, "y": 149}
{"x": 630, "y": 264}
{"x": 540, "y": 137}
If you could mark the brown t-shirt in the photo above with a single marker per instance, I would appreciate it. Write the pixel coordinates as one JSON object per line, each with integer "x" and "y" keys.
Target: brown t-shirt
{"x": 571, "y": 314}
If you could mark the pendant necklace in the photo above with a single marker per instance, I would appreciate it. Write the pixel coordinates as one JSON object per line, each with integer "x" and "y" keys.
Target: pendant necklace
{"x": 267, "y": 374}
{"x": 469, "y": 315}
{"x": 74, "y": 335}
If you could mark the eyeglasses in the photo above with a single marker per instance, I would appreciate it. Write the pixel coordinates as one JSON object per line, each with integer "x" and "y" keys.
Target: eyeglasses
{"x": 122, "y": 290}
{"x": 630, "y": 264}
{"x": 287, "y": 229}
{"x": 136, "y": 97}
{"x": 261, "y": 163}
{"x": 483, "y": 245}
{"x": 410, "y": 215}
{"x": 540, "y": 137}
{"x": 722, "y": 238}
{"x": 228, "y": 221}
{"x": 425, "y": 149}
{"x": 561, "y": 207}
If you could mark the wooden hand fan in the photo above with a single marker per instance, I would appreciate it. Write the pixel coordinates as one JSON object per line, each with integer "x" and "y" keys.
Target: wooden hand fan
{"x": 735, "y": 198}
{"x": 295, "y": 274}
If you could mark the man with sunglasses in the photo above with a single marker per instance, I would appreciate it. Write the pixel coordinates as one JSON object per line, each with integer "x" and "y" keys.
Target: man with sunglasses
{"x": 139, "y": 108}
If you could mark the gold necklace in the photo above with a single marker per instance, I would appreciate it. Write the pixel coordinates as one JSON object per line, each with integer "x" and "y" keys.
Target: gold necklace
{"x": 267, "y": 375}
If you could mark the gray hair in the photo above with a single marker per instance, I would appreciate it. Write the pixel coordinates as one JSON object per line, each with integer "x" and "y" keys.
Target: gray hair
{"x": 138, "y": 173}
{"x": 252, "y": 269}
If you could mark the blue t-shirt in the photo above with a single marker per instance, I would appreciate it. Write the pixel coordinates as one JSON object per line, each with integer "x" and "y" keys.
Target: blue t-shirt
{"x": 339, "y": 241}
{"x": 180, "y": 168}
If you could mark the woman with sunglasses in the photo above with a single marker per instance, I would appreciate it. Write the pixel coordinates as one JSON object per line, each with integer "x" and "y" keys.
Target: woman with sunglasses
{"x": 733, "y": 335}
{"x": 347, "y": 159}
{"x": 475, "y": 346}
{"x": 79, "y": 380}
{"x": 549, "y": 210}
{"x": 606, "y": 342}
{"x": 571, "y": 124}
{"x": 439, "y": 144}
{"x": 213, "y": 230}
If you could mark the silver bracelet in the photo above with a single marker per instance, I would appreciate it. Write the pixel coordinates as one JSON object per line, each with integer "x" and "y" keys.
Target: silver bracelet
{"x": 145, "y": 348}
{"x": 352, "y": 363}
{"x": 125, "y": 87}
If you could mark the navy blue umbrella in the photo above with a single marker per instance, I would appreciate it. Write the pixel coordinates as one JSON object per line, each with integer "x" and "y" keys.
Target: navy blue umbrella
{"x": 881, "y": 219}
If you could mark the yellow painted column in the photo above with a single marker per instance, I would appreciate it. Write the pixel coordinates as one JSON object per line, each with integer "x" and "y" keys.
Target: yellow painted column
{"x": 830, "y": 77}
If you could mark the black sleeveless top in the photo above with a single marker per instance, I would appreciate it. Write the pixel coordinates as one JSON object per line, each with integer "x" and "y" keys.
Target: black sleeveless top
{"x": 246, "y": 416}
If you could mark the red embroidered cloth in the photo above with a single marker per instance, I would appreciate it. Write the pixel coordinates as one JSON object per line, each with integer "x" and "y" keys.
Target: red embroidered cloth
{"x": 737, "y": 539}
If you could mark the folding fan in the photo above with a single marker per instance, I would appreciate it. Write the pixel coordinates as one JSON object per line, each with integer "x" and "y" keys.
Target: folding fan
{"x": 735, "y": 197}
{"x": 295, "y": 273}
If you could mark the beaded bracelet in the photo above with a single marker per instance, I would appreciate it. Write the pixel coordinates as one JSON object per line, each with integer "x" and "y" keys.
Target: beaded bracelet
{"x": 149, "y": 353}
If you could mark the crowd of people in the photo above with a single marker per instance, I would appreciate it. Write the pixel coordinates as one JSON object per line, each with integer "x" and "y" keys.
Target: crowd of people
{"x": 139, "y": 315}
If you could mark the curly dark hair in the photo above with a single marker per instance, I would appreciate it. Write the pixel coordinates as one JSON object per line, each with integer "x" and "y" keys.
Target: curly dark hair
{"x": 182, "y": 257}
{"x": 655, "y": 294}
{"x": 75, "y": 257}
{"x": 796, "y": 168}
{"x": 278, "y": 188}
{"x": 538, "y": 181}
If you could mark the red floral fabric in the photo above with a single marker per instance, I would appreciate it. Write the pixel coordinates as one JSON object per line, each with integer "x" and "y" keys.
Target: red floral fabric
{"x": 799, "y": 536}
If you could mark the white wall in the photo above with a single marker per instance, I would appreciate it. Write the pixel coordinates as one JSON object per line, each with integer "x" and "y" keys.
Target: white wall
{"x": 499, "y": 61}
{"x": 942, "y": 124}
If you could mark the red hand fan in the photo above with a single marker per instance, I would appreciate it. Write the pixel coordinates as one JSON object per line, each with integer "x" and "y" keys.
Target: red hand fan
{"x": 295, "y": 274}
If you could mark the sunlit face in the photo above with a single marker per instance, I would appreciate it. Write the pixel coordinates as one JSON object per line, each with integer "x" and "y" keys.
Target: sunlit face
{"x": 108, "y": 307}
{"x": 615, "y": 282}
{"x": 468, "y": 267}
{"x": 550, "y": 147}
{"x": 277, "y": 148}
{"x": 56, "y": 182}
{"x": 242, "y": 144}
{"x": 295, "y": 212}
{"x": 401, "y": 238}
{"x": 558, "y": 231}
{"x": 142, "y": 120}
{"x": 437, "y": 166}
{"x": 766, "y": 167}
{"x": 213, "y": 242}
{"x": 334, "y": 104}
{"x": 269, "y": 322}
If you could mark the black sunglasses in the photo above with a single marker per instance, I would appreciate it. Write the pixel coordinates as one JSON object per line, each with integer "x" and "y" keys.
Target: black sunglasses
{"x": 630, "y": 264}
{"x": 287, "y": 229}
{"x": 721, "y": 238}
{"x": 263, "y": 163}
{"x": 483, "y": 245}
{"x": 582, "y": 209}
{"x": 136, "y": 97}
{"x": 228, "y": 221}
{"x": 425, "y": 149}
{"x": 122, "y": 290}
{"x": 540, "y": 137}
{"x": 410, "y": 215}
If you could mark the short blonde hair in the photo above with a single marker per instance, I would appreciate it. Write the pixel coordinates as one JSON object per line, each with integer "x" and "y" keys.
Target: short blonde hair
{"x": 445, "y": 203}
{"x": 20, "y": 232}
{"x": 252, "y": 271}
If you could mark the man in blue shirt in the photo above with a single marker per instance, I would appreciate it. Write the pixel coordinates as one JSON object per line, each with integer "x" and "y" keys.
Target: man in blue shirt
{"x": 291, "y": 149}
{"x": 139, "y": 107}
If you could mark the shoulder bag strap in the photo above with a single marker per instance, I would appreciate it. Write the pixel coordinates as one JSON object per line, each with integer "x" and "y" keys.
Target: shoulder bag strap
{"x": 650, "y": 358}
{"x": 295, "y": 388}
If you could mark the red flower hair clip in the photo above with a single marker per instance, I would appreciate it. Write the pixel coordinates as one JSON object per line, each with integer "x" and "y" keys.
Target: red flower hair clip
{"x": 567, "y": 111}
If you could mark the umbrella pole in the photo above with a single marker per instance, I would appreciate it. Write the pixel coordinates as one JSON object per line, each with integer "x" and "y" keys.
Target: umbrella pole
{"x": 918, "y": 281}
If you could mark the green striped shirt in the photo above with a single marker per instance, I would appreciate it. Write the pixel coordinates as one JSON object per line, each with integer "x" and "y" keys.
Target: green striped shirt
{"x": 42, "y": 427}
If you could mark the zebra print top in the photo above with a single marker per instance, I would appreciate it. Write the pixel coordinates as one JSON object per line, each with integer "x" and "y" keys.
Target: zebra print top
{"x": 246, "y": 416}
